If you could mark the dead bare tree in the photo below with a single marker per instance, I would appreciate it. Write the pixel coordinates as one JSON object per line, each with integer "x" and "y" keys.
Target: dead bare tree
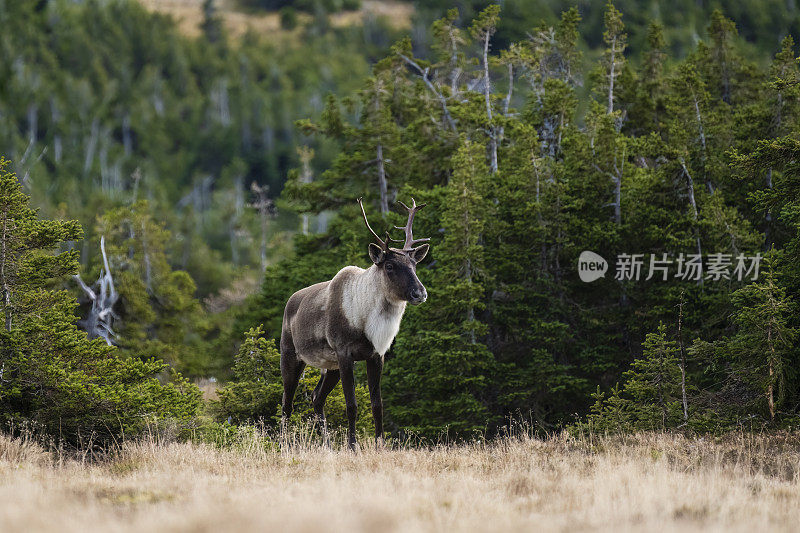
{"x": 306, "y": 154}
{"x": 692, "y": 202}
{"x": 220, "y": 102}
{"x": 266, "y": 210}
{"x": 58, "y": 145}
{"x": 482, "y": 30}
{"x": 434, "y": 87}
{"x": 683, "y": 360}
{"x": 102, "y": 296}
{"x": 136, "y": 178}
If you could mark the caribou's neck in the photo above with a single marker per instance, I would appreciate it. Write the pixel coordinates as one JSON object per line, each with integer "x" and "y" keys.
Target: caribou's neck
{"x": 369, "y": 309}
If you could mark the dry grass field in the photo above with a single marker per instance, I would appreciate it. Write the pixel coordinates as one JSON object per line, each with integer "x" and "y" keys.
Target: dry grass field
{"x": 643, "y": 483}
{"x": 188, "y": 14}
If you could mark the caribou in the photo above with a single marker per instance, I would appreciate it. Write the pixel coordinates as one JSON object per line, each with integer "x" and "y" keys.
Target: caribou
{"x": 353, "y": 317}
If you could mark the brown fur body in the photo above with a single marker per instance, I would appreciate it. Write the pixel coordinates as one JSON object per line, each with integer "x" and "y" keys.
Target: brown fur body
{"x": 334, "y": 317}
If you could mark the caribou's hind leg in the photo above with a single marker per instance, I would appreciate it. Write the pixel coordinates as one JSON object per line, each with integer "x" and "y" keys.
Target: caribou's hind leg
{"x": 291, "y": 370}
{"x": 326, "y": 384}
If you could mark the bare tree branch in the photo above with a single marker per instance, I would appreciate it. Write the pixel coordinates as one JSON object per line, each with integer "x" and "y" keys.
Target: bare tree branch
{"x": 439, "y": 96}
{"x": 101, "y": 315}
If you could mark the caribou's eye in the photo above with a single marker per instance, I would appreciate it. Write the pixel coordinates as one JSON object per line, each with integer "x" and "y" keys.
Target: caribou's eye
{"x": 389, "y": 267}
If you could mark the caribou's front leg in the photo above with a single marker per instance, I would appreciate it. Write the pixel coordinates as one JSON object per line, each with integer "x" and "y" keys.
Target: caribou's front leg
{"x": 374, "y": 370}
{"x": 349, "y": 388}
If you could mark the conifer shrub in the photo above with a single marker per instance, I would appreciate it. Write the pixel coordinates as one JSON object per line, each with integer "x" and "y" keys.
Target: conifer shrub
{"x": 54, "y": 379}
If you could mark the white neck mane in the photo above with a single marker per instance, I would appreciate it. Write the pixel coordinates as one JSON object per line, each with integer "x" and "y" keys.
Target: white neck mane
{"x": 367, "y": 308}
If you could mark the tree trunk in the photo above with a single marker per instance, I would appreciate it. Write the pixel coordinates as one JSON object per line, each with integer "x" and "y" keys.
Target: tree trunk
{"x": 693, "y": 203}
{"x": 661, "y": 401}
{"x": 33, "y": 123}
{"x": 306, "y": 176}
{"x": 127, "y": 141}
{"x": 702, "y": 133}
{"x": 382, "y": 181}
{"x": 263, "y": 242}
{"x": 507, "y": 100}
{"x": 91, "y": 145}
{"x": 770, "y": 385}
{"x": 683, "y": 362}
{"x": 617, "y": 177}
{"x": 4, "y": 274}
{"x": 612, "y": 76}
{"x": 55, "y": 116}
{"x": 618, "y": 199}
{"x": 487, "y": 89}
{"x": 436, "y": 92}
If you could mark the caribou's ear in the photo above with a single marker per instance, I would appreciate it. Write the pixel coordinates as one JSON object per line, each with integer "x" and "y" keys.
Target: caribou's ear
{"x": 376, "y": 253}
{"x": 419, "y": 253}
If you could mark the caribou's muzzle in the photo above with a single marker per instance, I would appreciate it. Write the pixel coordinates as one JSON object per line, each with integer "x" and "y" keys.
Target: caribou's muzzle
{"x": 417, "y": 296}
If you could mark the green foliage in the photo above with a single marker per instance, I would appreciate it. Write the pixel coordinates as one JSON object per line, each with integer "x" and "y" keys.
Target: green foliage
{"x": 761, "y": 24}
{"x": 157, "y": 311}
{"x": 637, "y": 162}
{"x": 54, "y": 378}
{"x": 255, "y": 392}
{"x": 447, "y": 387}
{"x": 650, "y": 397}
{"x": 758, "y": 358}
{"x": 106, "y": 103}
{"x": 596, "y": 131}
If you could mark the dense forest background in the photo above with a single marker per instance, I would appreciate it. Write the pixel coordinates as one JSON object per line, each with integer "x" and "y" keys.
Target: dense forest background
{"x": 191, "y": 183}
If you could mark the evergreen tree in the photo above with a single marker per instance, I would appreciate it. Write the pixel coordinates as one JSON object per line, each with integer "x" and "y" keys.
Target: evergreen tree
{"x": 482, "y": 29}
{"x": 646, "y": 110}
{"x": 653, "y": 383}
{"x": 448, "y": 388}
{"x": 613, "y": 63}
{"x": 650, "y": 397}
{"x": 54, "y": 378}
{"x": 763, "y": 344}
{"x": 639, "y": 165}
{"x": 212, "y": 24}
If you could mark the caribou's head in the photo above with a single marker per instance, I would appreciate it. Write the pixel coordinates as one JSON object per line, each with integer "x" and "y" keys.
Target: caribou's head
{"x": 398, "y": 267}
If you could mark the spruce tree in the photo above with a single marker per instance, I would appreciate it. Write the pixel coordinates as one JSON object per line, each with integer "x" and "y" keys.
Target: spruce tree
{"x": 440, "y": 379}
{"x": 653, "y": 383}
{"x": 613, "y": 62}
{"x": 650, "y": 396}
{"x": 765, "y": 339}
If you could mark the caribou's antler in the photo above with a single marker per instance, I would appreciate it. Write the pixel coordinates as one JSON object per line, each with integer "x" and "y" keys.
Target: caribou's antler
{"x": 410, "y": 240}
{"x": 384, "y": 243}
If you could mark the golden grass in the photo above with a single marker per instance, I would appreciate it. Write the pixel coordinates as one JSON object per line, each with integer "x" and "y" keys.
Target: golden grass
{"x": 648, "y": 482}
{"x": 188, "y": 14}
